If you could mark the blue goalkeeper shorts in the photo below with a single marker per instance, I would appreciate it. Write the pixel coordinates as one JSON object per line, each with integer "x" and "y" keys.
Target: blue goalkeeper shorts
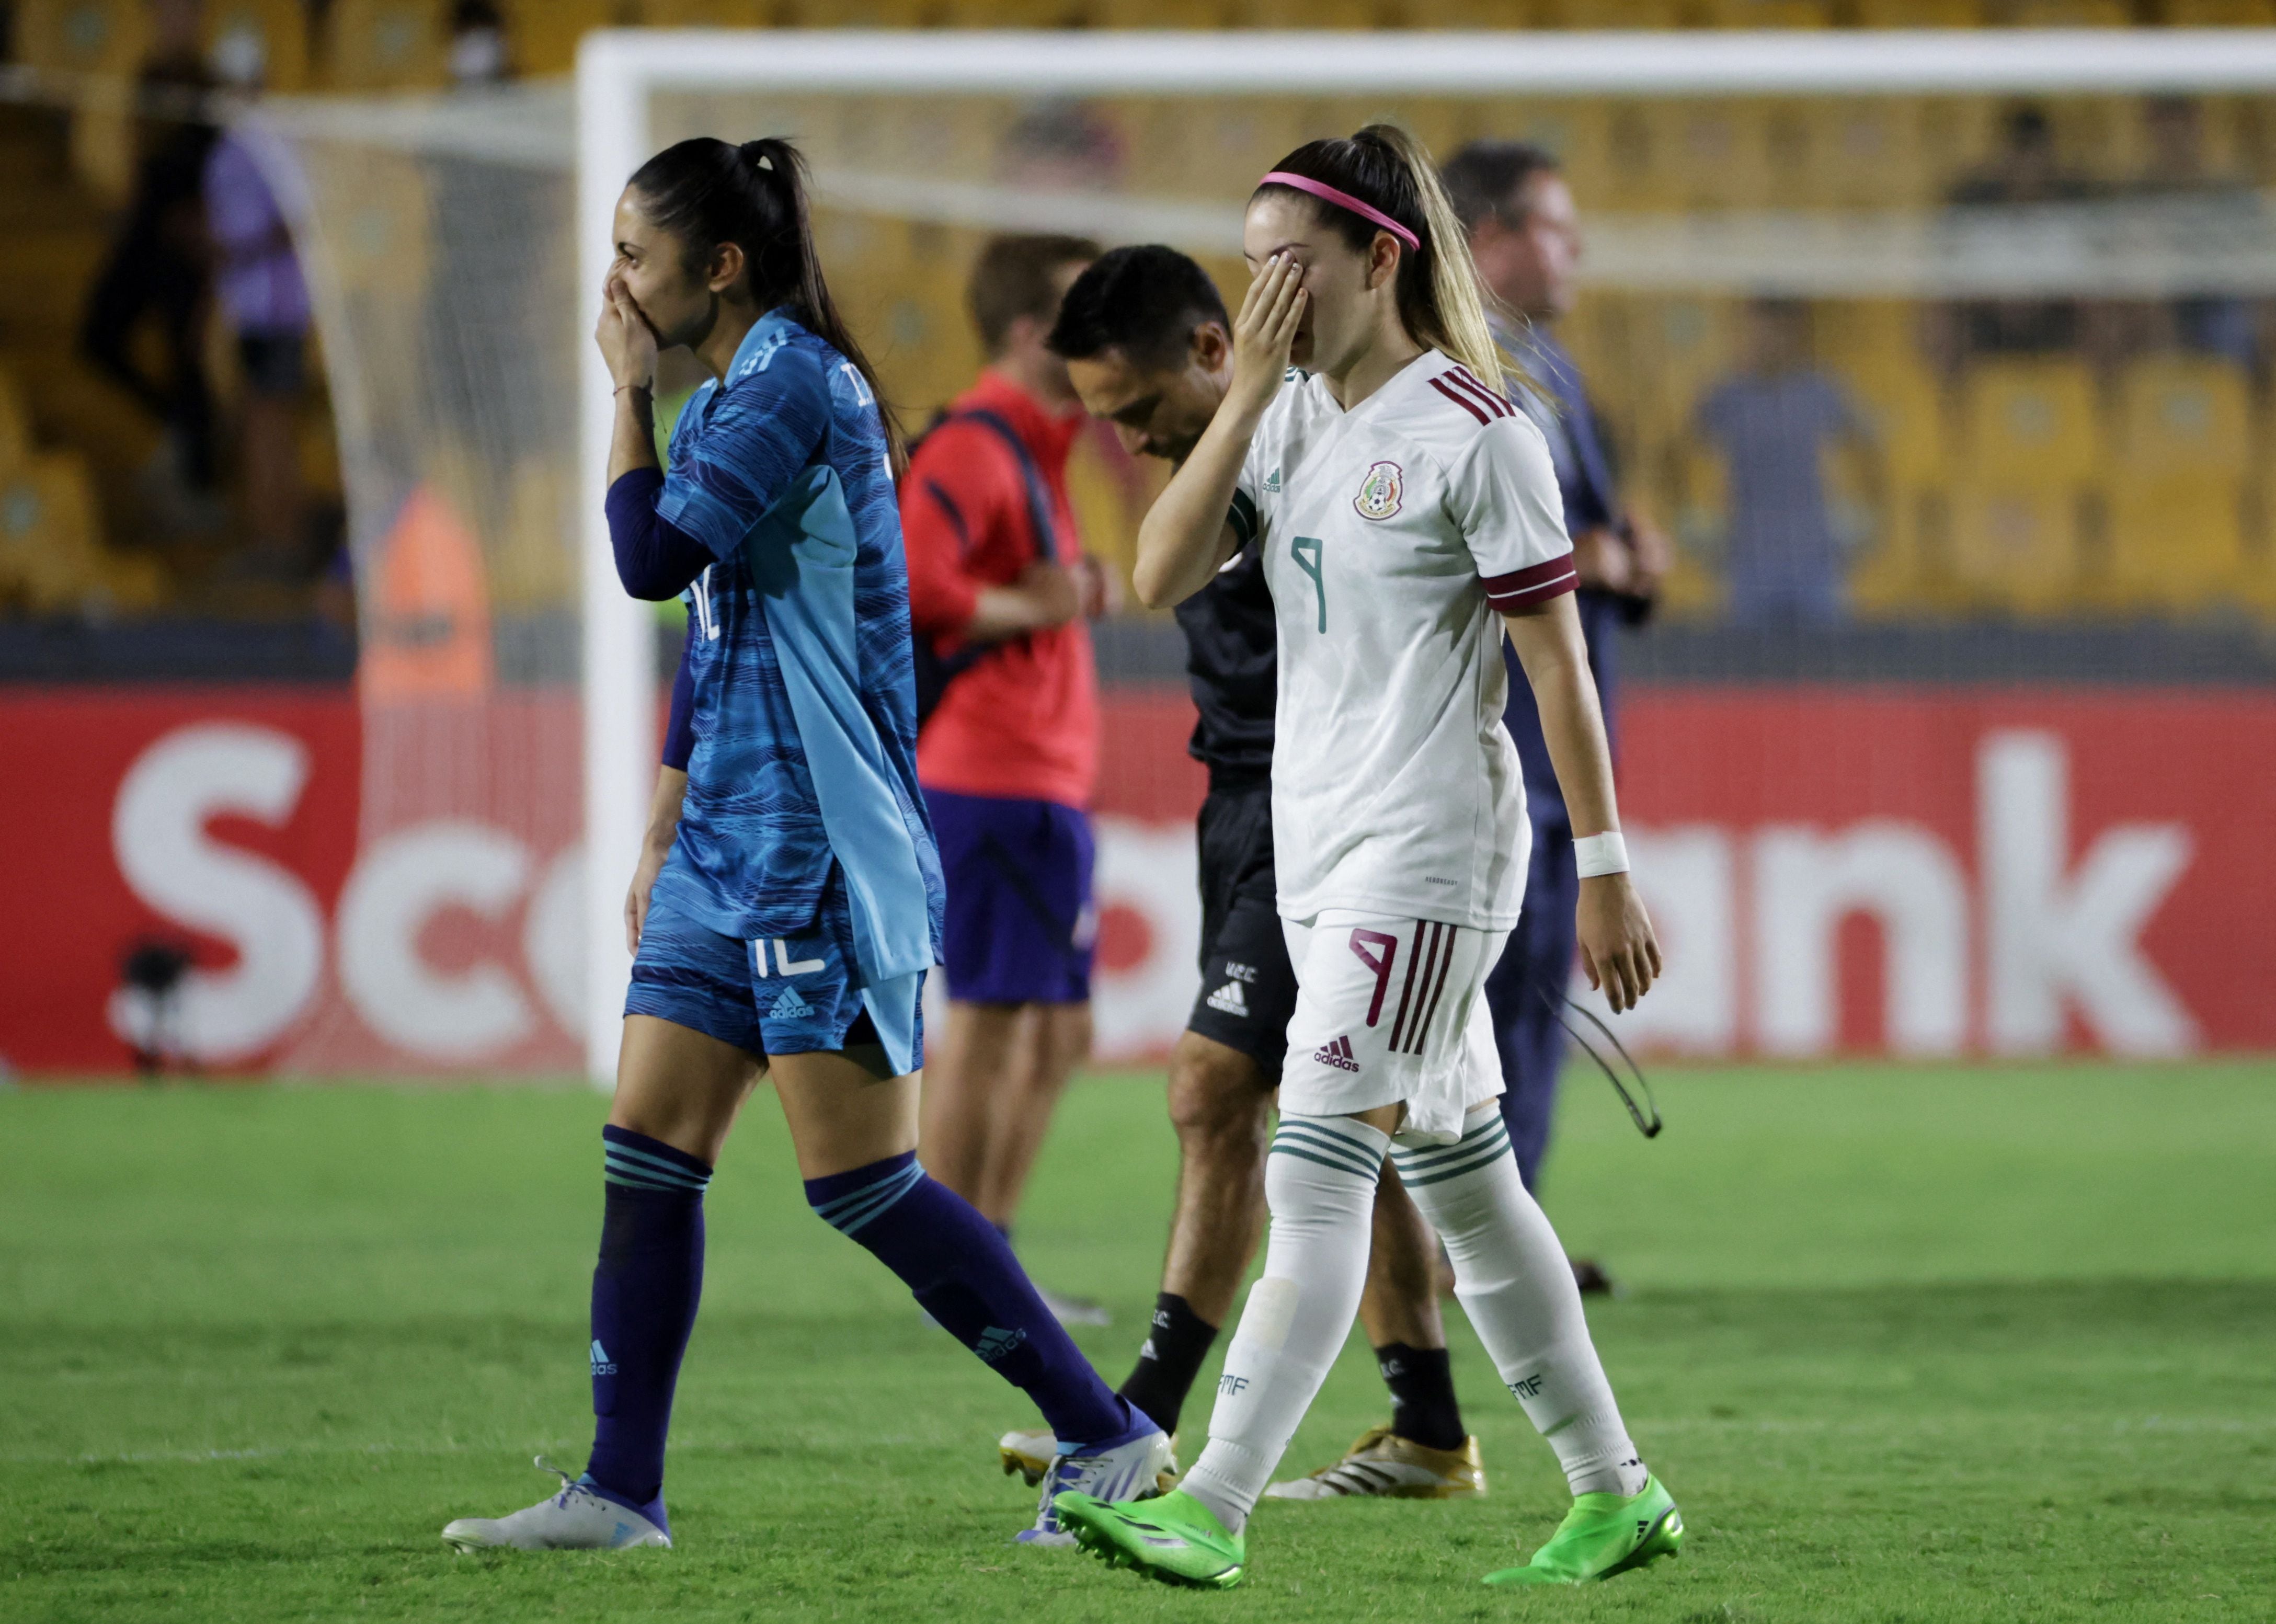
{"x": 779, "y": 994}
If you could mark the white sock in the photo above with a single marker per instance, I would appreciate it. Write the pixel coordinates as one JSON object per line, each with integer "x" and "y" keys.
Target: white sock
{"x": 1514, "y": 1283}
{"x": 1319, "y": 1184}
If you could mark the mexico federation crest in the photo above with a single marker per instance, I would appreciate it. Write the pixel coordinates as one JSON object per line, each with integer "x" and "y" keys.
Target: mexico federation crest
{"x": 1378, "y": 492}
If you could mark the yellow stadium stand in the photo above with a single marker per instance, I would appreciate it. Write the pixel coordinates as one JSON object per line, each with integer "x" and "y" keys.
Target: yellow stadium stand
{"x": 2217, "y": 14}
{"x": 856, "y": 13}
{"x": 1915, "y": 14}
{"x": 278, "y": 27}
{"x": 1766, "y": 14}
{"x": 83, "y": 36}
{"x": 1164, "y": 13}
{"x": 1608, "y": 14}
{"x": 387, "y": 45}
{"x": 1859, "y": 152}
{"x": 1576, "y": 133}
{"x": 542, "y": 35}
{"x": 52, "y": 560}
{"x": 1315, "y": 13}
{"x": 2029, "y": 458}
{"x": 15, "y": 427}
{"x": 1013, "y": 13}
{"x": 2030, "y": 420}
{"x": 1469, "y": 14}
{"x": 709, "y": 13}
{"x": 1715, "y": 153}
{"x": 1905, "y": 408}
{"x": 2059, "y": 14}
{"x": 2179, "y": 485}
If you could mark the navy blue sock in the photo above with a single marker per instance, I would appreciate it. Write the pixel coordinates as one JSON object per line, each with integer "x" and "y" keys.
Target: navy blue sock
{"x": 645, "y": 1289}
{"x": 962, "y": 1272}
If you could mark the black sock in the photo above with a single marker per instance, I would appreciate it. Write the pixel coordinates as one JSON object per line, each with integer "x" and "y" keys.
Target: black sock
{"x": 1175, "y": 1347}
{"x": 1421, "y": 1383}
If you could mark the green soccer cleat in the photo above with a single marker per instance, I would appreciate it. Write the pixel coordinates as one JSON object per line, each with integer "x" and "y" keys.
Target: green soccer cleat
{"x": 1604, "y": 1535}
{"x": 1173, "y": 1537}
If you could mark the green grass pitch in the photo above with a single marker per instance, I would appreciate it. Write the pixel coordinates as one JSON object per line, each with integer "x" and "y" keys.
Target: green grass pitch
{"x": 1909, "y": 1343}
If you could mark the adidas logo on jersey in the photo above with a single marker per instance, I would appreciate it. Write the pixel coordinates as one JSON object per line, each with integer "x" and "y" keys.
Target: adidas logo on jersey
{"x": 790, "y": 1006}
{"x": 1338, "y": 1054}
{"x": 1229, "y": 999}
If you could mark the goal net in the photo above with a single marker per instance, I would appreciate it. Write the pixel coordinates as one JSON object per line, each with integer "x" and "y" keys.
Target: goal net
{"x": 1942, "y": 361}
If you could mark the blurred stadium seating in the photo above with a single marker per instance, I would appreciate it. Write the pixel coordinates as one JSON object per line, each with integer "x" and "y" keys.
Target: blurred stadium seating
{"x": 2129, "y": 481}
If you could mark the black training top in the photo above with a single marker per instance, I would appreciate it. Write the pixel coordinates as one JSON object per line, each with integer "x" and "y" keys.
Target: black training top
{"x": 1234, "y": 659}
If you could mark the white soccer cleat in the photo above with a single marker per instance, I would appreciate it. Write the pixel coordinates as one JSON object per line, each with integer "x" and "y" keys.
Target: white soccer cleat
{"x": 1033, "y": 1454}
{"x": 1131, "y": 1471}
{"x": 576, "y": 1518}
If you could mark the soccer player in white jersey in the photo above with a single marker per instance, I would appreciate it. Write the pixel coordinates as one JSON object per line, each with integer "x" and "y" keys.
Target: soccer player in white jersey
{"x": 1408, "y": 517}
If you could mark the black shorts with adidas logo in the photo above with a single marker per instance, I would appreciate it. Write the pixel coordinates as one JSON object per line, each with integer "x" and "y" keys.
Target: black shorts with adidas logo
{"x": 1248, "y": 987}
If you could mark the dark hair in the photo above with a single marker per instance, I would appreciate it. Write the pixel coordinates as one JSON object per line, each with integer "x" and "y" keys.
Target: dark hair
{"x": 1012, "y": 278}
{"x": 1386, "y": 167}
{"x": 1144, "y": 300}
{"x": 706, "y": 192}
{"x": 1484, "y": 177}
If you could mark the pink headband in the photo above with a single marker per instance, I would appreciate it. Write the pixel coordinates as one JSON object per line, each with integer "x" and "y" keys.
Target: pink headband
{"x": 1344, "y": 199}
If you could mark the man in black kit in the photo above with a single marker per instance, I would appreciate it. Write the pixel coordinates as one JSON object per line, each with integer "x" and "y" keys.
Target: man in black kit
{"x": 1147, "y": 342}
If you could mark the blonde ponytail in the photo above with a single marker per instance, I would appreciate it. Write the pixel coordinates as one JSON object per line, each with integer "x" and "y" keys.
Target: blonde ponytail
{"x": 1455, "y": 304}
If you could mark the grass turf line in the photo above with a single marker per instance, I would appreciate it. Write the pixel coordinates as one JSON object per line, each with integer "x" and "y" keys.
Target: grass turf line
{"x": 1907, "y": 1344}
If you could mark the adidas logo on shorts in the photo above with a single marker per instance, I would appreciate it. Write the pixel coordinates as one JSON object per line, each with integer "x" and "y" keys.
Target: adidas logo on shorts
{"x": 1338, "y": 1054}
{"x": 1229, "y": 999}
{"x": 790, "y": 1006}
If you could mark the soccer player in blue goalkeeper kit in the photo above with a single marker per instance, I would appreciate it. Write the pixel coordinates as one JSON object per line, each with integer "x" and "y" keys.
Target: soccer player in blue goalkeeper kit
{"x": 788, "y": 902}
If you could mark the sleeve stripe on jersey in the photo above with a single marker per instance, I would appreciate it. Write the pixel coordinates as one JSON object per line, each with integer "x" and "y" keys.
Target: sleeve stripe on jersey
{"x": 1471, "y": 406}
{"x": 1242, "y": 517}
{"x": 1535, "y": 584}
{"x": 1465, "y": 379}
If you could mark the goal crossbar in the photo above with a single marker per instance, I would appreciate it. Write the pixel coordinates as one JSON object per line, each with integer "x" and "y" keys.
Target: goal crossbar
{"x": 618, "y": 71}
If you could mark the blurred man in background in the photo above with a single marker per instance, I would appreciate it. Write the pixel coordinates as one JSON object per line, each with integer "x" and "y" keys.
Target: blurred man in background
{"x": 1525, "y": 236}
{"x": 261, "y": 295}
{"x": 1774, "y": 420}
{"x": 999, "y": 590}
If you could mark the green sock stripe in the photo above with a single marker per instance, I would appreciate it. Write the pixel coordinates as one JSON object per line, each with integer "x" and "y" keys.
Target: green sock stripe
{"x": 1339, "y": 1163}
{"x": 1443, "y": 1172}
{"x": 1327, "y": 1143}
{"x": 1417, "y": 1164}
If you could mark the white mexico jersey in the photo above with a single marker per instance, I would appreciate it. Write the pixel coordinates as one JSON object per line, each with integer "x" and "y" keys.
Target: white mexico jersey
{"x": 1392, "y": 535}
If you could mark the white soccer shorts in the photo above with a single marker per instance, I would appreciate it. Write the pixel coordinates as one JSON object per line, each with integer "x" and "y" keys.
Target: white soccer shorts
{"x": 1391, "y": 1012}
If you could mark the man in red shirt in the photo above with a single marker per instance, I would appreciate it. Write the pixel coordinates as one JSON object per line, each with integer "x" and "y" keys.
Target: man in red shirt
{"x": 999, "y": 590}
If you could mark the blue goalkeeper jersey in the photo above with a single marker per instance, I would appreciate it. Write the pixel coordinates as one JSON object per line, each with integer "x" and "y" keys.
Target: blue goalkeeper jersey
{"x": 804, "y": 716}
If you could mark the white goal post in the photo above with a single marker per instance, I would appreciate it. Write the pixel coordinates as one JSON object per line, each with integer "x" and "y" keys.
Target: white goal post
{"x": 619, "y": 71}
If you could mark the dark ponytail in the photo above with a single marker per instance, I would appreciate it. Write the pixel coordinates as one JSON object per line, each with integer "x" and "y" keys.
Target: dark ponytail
{"x": 706, "y": 192}
{"x": 1440, "y": 302}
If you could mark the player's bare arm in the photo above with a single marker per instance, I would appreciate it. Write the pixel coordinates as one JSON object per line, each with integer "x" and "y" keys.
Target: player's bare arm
{"x": 1618, "y": 952}
{"x": 656, "y": 846}
{"x": 1185, "y": 538}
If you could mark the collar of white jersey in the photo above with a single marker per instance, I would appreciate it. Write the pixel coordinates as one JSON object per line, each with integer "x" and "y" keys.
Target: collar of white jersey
{"x": 1397, "y": 389}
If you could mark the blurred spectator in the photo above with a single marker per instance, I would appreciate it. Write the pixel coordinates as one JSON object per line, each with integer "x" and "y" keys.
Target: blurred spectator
{"x": 1060, "y": 147}
{"x": 477, "y": 55}
{"x": 156, "y": 269}
{"x": 258, "y": 285}
{"x": 2023, "y": 170}
{"x": 2204, "y": 207}
{"x": 1773, "y": 421}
